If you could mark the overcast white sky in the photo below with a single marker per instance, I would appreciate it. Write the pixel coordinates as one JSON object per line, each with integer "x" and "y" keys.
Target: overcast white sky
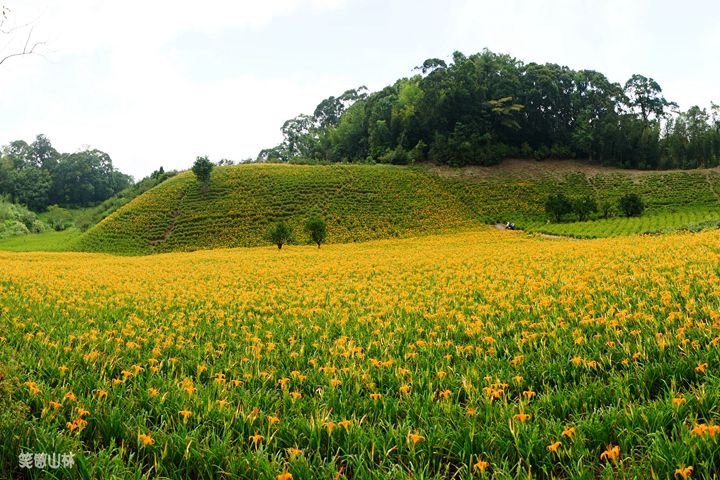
{"x": 158, "y": 82}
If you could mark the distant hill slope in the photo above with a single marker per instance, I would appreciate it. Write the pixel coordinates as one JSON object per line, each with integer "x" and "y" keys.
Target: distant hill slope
{"x": 359, "y": 202}
{"x": 517, "y": 189}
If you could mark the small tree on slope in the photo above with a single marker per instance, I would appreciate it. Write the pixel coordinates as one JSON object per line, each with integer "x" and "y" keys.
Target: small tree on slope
{"x": 317, "y": 229}
{"x": 202, "y": 169}
{"x": 280, "y": 234}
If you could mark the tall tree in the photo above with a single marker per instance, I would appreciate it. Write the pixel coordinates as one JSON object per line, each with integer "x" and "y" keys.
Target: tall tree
{"x": 644, "y": 96}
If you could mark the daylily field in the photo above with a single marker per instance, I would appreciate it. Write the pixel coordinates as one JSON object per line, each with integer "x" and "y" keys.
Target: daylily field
{"x": 485, "y": 354}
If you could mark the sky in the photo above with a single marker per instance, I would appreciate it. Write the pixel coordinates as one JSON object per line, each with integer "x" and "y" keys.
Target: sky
{"x": 160, "y": 82}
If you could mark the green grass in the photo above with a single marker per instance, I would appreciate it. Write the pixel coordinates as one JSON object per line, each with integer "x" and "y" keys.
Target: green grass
{"x": 50, "y": 241}
{"x": 654, "y": 222}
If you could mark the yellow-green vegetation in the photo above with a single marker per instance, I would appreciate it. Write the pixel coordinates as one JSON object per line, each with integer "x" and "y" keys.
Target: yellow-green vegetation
{"x": 358, "y": 202}
{"x": 472, "y": 355}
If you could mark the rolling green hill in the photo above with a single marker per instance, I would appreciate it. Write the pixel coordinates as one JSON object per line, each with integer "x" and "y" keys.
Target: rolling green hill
{"x": 359, "y": 202}
{"x": 364, "y": 202}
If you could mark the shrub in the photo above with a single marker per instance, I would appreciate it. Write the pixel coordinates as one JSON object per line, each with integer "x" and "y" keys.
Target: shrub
{"x": 18, "y": 220}
{"x": 12, "y": 228}
{"x": 59, "y": 218}
{"x": 631, "y": 205}
{"x": 584, "y": 207}
{"x": 558, "y": 206}
{"x": 317, "y": 230}
{"x": 280, "y": 234}
{"x": 606, "y": 209}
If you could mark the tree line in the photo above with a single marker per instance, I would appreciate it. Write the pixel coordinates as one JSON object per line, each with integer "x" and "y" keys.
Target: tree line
{"x": 479, "y": 109}
{"x": 37, "y": 175}
{"x": 560, "y": 207}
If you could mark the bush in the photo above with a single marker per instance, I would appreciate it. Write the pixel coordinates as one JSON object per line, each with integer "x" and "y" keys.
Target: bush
{"x": 606, "y": 209}
{"x": 280, "y": 234}
{"x": 59, "y": 218}
{"x": 12, "y": 228}
{"x": 631, "y": 205}
{"x": 558, "y": 206}
{"x": 584, "y": 207}
{"x": 316, "y": 228}
{"x": 18, "y": 220}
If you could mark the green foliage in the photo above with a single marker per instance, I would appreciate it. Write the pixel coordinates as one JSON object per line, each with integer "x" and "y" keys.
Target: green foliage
{"x": 557, "y": 206}
{"x": 316, "y": 228}
{"x": 631, "y": 205}
{"x": 584, "y": 207}
{"x": 59, "y": 218}
{"x": 36, "y": 175}
{"x": 606, "y": 209}
{"x": 17, "y": 220}
{"x": 482, "y": 108}
{"x": 280, "y": 234}
{"x": 202, "y": 169}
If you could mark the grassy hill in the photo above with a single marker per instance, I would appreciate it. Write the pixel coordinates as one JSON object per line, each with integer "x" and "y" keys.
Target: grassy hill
{"x": 365, "y": 202}
{"x": 359, "y": 202}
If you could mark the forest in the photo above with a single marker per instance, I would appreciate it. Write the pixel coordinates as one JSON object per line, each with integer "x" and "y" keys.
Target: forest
{"x": 37, "y": 175}
{"x": 479, "y": 109}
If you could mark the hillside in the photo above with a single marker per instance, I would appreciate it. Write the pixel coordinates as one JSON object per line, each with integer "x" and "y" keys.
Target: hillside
{"x": 359, "y": 202}
{"x": 517, "y": 189}
{"x": 365, "y": 202}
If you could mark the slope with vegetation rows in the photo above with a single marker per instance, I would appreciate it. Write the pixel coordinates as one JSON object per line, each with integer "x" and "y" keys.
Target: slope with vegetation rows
{"x": 364, "y": 202}
{"x": 358, "y": 202}
{"x": 516, "y": 191}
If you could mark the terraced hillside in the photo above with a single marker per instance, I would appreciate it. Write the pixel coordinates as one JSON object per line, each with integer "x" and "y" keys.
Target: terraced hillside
{"x": 365, "y": 202}
{"x": 517, "y": 191}
{"x": 359, "y": 202}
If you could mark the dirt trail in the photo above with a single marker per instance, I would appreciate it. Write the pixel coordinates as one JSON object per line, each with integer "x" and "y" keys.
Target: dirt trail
{"x": 501, "y": 226}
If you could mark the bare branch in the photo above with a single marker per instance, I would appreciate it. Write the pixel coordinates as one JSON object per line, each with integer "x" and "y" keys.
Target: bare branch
{"x": 27, "y": 49}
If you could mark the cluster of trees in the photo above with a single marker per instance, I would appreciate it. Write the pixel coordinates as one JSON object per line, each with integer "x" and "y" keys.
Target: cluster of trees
{"x": 315, "y": 227}
{"x": 481, "y": 108}
{"x": 559, "y": 207}
{"x": 37, "y": 175}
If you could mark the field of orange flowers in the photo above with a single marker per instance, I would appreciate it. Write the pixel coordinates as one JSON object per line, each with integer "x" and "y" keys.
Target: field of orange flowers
{"x": 485, "y": 354}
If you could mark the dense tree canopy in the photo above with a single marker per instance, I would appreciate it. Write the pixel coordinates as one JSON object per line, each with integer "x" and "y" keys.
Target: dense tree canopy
{"x": 481, "y": 108}
{"x": 37, "y": 175}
